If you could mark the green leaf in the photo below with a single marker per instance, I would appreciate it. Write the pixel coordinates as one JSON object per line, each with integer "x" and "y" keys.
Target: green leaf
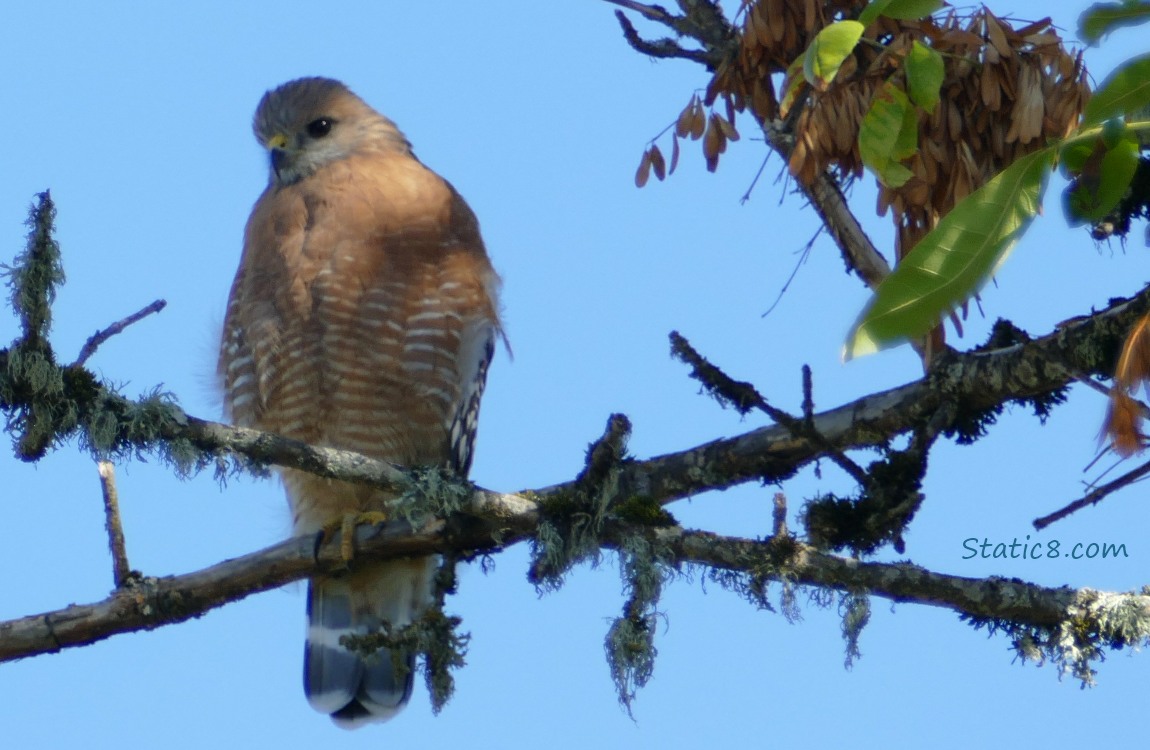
{"x": 888, "y": 134}
{"x": 924, "y": 74}
{"x": 1125, "y": 90}
{"x": 905, "y": 10}
{"x": 1102, "y": 181}
{"x": 952, "y": 262}
{"x": 872, "y": 11}
{"x": 828, "y": 50}
{"x": 1072, "y": 158}
{"x": 794, "y": 82}
{"x": 910, "y": 10}
{"x": 1118, "y": 167}
{"x": 906, "y": 145}
{"x": 1102, "y": 18}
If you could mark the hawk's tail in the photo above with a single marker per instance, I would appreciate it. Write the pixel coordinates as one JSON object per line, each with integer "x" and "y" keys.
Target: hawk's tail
{"x": 355, "y": 689}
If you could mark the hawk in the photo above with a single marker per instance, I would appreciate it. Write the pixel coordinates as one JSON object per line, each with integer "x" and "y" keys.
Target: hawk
{"x": 363, "y": 316}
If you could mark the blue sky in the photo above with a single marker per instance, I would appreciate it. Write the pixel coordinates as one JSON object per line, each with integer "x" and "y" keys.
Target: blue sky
{"x": 137, "y": 115}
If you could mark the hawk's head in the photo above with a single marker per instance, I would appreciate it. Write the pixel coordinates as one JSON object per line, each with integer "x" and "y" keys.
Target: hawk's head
{"x": 310, "y": 122}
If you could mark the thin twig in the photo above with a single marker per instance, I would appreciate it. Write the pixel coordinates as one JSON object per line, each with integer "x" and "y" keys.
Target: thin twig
{"x": 121, "y": 571}
{"x": 739, "y": 394}
{"x": 779, "y": 516}
{"x": 99, "y": 337}
{"x": 653, "y": 12}
{"x": 1094, "y": 496}
{"x": 1093, "y": 384}
{"x": 743, "y": 397}
{"x": 755, "y": 181}
{"x": 804, "y": 254}
{"x": 825, "y": 195}
{"x": 665, "y": 47}
{"x": 808, "y": 398}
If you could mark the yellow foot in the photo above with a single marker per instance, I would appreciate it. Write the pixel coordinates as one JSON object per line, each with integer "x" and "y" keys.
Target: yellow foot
{"x": 346, "y": 528}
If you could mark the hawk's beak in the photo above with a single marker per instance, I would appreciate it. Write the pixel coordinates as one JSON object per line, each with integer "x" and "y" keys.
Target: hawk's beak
{"x": 276, "y": 147}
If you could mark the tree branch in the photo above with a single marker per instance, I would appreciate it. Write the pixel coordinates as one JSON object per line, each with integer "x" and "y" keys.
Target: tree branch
{"x": 99, "y": 337}
{"x": 1093, "y": 497}
{"x": 664, "y": 48}
{"x": 743, "y": 397}
{"x": 702, "y": 21}
{"x": 147, "y": 603}
{"x": 121, "y": 570}
{"x": 494, "y": 521}
{"x": 959, "y": 396}
{"x": 825, "y": 195}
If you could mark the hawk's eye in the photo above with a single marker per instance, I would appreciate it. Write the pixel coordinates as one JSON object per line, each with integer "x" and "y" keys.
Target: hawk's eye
{"x": 319, "y": 128}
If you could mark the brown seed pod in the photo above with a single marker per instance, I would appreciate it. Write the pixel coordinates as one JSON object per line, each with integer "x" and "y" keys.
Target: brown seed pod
{"x": 683, "y": 124}
{"x": 644, "y": 172}
{"x": 657, "y": 163}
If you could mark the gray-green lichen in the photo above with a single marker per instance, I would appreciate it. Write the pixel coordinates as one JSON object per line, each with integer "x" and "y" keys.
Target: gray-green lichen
{"x": 751, "y": 577}
{"x": 433, "y": 493}
{"x": 571, "y": 522}
{"x": 434, "y": 637}
{"x": 855, "y": 611}
{"x": 36, "y": 273}
{"x": 1095, "y": 622}
{"x": 630, "y": 642}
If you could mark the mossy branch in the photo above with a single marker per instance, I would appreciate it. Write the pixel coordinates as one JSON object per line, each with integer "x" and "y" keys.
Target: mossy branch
{"x": 573, "y": 514}
{"x": 703, "y": 21}
{"x": 35, "y": 275}
{"x": 1071, "y": 627}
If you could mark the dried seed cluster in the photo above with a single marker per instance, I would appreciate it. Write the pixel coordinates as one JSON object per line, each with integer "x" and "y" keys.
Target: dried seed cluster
{"x": 1005, "y": 91}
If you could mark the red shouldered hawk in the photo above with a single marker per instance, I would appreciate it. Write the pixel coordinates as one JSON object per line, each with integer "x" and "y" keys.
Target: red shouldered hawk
{"x": 363, "y": 316}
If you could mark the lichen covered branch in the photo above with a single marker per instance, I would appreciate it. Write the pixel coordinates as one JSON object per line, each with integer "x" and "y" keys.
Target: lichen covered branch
{"x": 1069, "y": 626}
{"x": 702, "y": 21}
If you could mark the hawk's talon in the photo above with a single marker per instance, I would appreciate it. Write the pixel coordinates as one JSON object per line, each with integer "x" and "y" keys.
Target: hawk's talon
{"x": 346, "y": 529}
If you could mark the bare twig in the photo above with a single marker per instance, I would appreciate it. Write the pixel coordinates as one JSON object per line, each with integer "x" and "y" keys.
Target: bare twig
{"x": 803, "y": 255}
{"x": 120, "y": 568}
{"x": 1093, "y": 497}
{"x": 808, "y": 398}
{"x": 666, "y": 47}
{"x": 825, "y": 195}
{"x": 779, "y": 516}
{"x": 755, "y": 180}
{"x": 743, "y": 396}
{"x": 652, "y": 12}
{"x": 1094, "y": 385}
{"x": 99, "y": 337}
